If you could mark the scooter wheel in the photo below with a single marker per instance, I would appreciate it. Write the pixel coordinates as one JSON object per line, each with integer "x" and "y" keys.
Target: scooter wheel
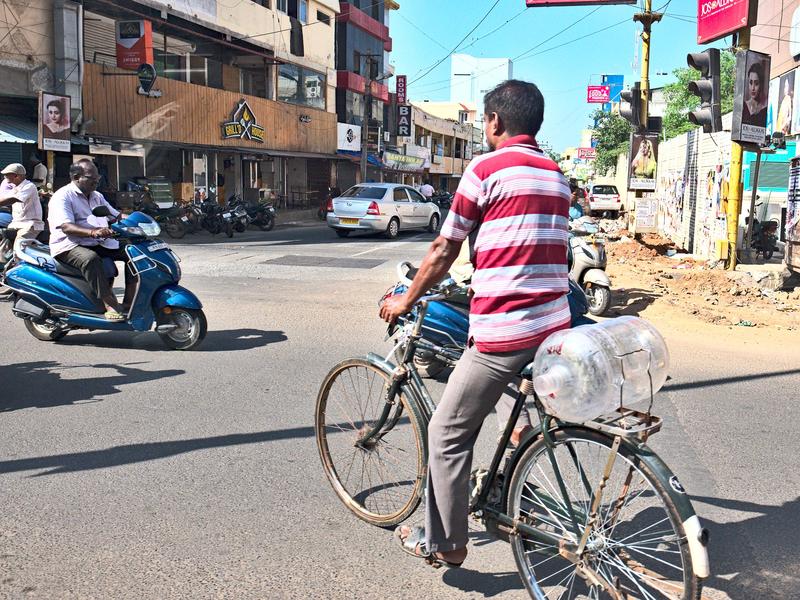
{"x": 44, "y": 332}
{"x": 599, "y": 298}
{"x": 190, "y": 327}
{"x": 175, "y": 229}
{"x": 267, "y": 223}
{"x": 229, "y": 230}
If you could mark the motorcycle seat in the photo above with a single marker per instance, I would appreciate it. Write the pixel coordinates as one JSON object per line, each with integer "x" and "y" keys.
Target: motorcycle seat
{"x": 38, "y": 254}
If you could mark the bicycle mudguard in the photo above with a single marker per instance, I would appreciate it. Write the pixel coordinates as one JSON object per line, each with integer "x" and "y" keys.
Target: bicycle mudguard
{"x": 696, "y": 534}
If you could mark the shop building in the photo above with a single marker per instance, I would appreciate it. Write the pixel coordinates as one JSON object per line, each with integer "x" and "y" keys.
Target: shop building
{"x": 363, "y": 47}
{"x": 244, "y": 101}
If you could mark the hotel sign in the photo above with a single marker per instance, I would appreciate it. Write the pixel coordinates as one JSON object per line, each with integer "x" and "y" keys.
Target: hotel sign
{"x": 243, "y": 125}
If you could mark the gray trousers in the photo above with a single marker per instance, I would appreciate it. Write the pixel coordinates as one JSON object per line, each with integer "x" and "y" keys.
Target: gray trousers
{"x": 89, "y": 260}
{"x": 474, "y": 387}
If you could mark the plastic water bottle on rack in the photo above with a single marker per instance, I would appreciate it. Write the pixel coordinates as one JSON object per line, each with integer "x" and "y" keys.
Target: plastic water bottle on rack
{"x": 582, "y": 373}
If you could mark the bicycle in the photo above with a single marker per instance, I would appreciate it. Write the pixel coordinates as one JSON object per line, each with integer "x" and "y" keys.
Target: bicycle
{"x": 588, "y": 508}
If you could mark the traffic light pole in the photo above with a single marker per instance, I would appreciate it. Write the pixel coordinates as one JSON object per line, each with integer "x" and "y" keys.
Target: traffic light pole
{"x": 646, "y": 18}
{"x": 735, "y": 187}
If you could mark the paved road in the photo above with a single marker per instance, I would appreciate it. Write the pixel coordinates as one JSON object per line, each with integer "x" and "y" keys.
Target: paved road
{"x": 127, "y": 471}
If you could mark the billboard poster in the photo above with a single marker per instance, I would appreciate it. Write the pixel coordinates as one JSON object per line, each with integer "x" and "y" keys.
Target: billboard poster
{"x": 615, "y": 84}
{"x": 586, "y": 153}
{"x": 598, "y": 94}
{"x": 54, "y": 122}
{"x": 134, "y": 44}
{"x": 751, "y": 97}
{"x": 786, "y": 101}
{"x": 644, "y": 161}
{"x": 792, "y": 224}
{"x": 772, "y": 108}
{"x": 401, "y": 89}
{"x": 718, "y": 18}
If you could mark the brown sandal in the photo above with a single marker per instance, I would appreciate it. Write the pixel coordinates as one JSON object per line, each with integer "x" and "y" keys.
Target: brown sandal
{"x": 415, "y": 545}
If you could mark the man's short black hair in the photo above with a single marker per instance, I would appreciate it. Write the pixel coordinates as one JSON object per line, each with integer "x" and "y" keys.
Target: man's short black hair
{"x": 78, "y": 168}
{"x": 519, "y": 104}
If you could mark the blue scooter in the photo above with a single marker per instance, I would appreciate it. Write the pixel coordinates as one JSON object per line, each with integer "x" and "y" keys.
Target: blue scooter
{"x": 53, "y": 298}
{"x": 446, "y": 324}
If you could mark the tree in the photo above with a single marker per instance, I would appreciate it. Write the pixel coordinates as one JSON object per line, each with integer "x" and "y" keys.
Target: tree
{"x": 612, "y": 133}
{"x": 680, "y": 102}
{"x": 555, "y": 156}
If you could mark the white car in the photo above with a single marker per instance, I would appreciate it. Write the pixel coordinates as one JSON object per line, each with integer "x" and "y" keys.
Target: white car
{"x": 386, "y": 207}
{"x": 604, "y": 198}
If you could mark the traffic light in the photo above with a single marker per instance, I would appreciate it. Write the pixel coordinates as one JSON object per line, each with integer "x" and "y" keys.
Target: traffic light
{"x": 633, "y": 110}
{"x": 709, "y": 115}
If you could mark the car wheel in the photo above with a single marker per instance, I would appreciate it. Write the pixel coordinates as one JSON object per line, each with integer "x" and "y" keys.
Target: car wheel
{"x": 393, "y": 229}
{"x": 342, "y": 232}
{"x": 433, "y": 226}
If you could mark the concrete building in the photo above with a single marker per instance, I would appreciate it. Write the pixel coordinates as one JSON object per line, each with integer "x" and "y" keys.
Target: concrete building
{"x": 244, "y": 99}
{"x": 472, "y": 77}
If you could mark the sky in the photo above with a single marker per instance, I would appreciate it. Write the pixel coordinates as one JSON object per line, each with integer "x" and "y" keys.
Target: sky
{"x": 426, "y": 31}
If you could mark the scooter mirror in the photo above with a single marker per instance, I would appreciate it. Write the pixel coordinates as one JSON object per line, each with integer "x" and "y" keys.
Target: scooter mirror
{"x": 101, "y": 211}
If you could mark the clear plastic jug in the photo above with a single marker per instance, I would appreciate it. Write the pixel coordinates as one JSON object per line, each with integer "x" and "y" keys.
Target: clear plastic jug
{"x": 582, "y": 373}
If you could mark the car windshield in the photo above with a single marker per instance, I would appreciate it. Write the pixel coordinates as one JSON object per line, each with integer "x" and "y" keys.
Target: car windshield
{"x": 604, "y": 189}
{"x": 360, "y": 191}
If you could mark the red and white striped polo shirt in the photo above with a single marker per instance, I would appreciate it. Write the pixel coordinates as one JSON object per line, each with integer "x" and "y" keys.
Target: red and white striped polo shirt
{"x": 518, "y": 200}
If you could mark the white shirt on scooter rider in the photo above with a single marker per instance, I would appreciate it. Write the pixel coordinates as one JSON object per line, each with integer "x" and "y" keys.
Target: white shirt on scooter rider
{"x": 69, "y": 205}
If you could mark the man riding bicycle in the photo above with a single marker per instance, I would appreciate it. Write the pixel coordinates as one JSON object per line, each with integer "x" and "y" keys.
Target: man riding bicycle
{"x": 516, "y": 200}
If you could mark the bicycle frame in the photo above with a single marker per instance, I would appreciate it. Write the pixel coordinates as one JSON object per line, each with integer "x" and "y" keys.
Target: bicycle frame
{"x": 405, "y": 379}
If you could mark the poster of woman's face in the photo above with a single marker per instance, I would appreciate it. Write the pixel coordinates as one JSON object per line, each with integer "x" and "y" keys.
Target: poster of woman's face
{"x": 772, "y": 112}
{"x": 756, "y": 90}
{"x": 55, "y": 123}
{"x": 786, "y": 101}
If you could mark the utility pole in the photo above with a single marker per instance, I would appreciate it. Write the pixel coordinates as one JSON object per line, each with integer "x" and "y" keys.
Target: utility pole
{"x": 735, "y": 187}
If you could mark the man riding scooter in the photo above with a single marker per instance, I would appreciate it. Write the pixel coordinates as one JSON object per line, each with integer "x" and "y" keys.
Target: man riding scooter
{"x": 82, "y": 240}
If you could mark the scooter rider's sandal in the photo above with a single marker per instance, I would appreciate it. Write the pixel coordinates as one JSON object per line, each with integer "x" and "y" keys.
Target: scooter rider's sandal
{"x": 112, "y": 315}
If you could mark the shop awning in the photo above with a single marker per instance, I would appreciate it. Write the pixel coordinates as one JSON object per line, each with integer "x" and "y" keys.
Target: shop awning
{"x": 291, "y": 154}
{"x": 352, "y": 155}
{"x": 16, "y": 130}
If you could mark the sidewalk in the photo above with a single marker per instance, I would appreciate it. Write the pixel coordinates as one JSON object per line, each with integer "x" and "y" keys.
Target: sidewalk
{"x": 297, "y": 217}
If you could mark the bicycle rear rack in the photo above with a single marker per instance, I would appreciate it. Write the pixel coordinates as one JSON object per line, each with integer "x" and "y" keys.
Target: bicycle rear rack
{"x": 627, "y": 423}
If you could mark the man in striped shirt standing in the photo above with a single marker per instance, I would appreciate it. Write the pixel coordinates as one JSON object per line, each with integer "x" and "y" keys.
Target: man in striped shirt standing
{"x": 515, "y": 202}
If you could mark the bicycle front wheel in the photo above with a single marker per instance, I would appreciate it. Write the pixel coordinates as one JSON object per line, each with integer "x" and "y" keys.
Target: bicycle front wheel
{"x": 380, "y": 479}
{"x": 638, "y": 543}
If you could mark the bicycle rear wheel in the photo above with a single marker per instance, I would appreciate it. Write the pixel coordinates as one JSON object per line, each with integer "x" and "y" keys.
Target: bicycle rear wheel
{"x": 381, "y": 481}
{"x": 638, "y": 543}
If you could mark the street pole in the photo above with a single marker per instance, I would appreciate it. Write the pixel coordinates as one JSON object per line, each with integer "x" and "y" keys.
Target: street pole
{"x": 367, "y": 118}
{"x": 735, "y": 187}
{"x": 646, "y": 18}
{"x": 754, "y": 184}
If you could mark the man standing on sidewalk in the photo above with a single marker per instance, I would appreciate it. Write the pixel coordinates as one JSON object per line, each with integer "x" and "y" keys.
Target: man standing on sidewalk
{"x": 517, "y": 200}
{"x": 426, "y": 189}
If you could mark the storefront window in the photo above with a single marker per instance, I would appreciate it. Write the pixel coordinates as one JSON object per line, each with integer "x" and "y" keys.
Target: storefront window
{"x": 297, "y": 85}
{"x": 254, "y": 82}
{"x": 170, "y": 65}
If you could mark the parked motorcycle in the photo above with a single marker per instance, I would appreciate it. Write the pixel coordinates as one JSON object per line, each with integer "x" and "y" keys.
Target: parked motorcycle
{"x": 446, "y": 324}
{"x": 53, "y": 298}
{"x": 168, "y": 218}
{"x": 260, "y": 214}
{"x": 442, "y": 199}
{"x": 764, "y": 238}
{"x": 212, "y": 220}
{"x": 587, "y": 263}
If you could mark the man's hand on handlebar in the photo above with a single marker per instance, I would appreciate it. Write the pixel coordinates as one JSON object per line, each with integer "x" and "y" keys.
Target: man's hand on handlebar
{"x": 102, "y": 232}
{"x": 395, "y": 307}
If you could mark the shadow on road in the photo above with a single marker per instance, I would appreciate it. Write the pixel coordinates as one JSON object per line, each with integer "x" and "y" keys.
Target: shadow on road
{"x": 755, "y": 557}
{"x": 631, "y": 301}
{"x": 485, "y": 584}
{"x": 691, "y": 385}
{"x": 230, "y": 340}
{"x": 40, "y": 384}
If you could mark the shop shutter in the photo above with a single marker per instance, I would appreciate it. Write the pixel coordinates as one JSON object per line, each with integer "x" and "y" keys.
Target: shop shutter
{"x": 99, "y": 39}
{"x": 773, "y": 174}
{"x": 10, "y": 153}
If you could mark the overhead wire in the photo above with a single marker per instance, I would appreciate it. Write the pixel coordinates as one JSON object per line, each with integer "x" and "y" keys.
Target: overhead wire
{"x": 444, "y": 58}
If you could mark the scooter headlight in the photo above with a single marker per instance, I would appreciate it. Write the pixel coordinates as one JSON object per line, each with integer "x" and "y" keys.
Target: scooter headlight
{"x": 150, "y": 229}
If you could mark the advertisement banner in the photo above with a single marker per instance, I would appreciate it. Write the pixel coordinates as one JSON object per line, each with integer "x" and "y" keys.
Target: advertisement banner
{"x": 718, "y": 18}
{"x": 401, "y": 89}
{"x": 587, "y": 153}
{"x": 750, "y": 97}
{"x": 786, "y": 103}
{"x": 598, "y": 94}
{"x": 792, "y": 225}
{"x": 54, "y": 122}
{"x": 404, "y": 120}
{"x": 348, "y": 137}
{"x": 403, "y": 162}
{"x": 576, "y": 2}
{"x": 643, "y": 162}
{"x": 134, "y": 44}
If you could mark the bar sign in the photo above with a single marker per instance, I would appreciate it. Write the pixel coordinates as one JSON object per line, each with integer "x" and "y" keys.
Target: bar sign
{"x": 403, "y": 120}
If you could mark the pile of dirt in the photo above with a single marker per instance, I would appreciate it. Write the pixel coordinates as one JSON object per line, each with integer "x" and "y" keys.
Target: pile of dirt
{"x": 643, "y": 276}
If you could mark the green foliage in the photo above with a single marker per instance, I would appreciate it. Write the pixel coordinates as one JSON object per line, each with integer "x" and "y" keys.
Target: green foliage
{"x": 555, "y": 156}
{"x": 680, "y": 102}
{"x": 612, "y": 133}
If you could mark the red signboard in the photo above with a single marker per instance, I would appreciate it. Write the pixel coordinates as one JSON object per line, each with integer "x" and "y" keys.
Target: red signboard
{"x": 134, "y": 44}
{"x": 575, "y": 2}
{"x": 718, "y": 18}
{"x": 401, "y": 89}
{"x": 598, "y": 94}
{"x": 586, "y": 153}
